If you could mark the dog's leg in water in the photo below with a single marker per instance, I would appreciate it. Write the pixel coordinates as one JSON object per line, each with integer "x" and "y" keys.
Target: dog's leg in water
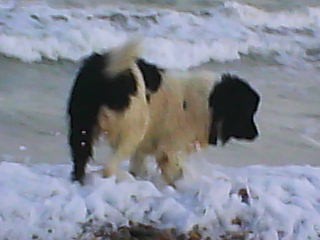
{"x": 170, "y": 166}
{"x": 138, "y": 165}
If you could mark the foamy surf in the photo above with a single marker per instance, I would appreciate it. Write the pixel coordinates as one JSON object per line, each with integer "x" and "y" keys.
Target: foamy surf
{"x": 34, "y": 32}
{"x": 40, "y": 202}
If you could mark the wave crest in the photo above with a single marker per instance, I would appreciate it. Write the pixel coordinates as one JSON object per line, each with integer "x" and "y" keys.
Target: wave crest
{"x": 173, "y": 39}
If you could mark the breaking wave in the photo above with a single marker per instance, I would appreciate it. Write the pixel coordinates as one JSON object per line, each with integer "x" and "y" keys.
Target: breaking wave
{"x": 171, "y": 38}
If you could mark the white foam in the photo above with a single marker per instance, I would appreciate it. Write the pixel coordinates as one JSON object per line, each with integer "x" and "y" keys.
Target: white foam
{"x": 41, "y": 201}
{"x": 312, "y": 140}
{"x": 172, "y": 39}
{"x": 252, "y": 16}
{"x": 311, "y": 132}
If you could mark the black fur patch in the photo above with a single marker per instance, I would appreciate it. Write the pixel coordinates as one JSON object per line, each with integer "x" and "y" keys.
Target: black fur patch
{"x": 184, "y": 105}
{"x": 92, "y": 89}
{"x": 233, "y": 104}
{"x": 151, "y": 74}
{"x": 148, "y": 97}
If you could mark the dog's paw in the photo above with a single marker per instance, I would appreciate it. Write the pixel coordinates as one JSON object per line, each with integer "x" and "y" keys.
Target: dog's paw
{"x": 124, "y": 176}
{"x": 119, "y": 174}
{"x": 109, "y": 171}
{"x": 141, "y": 173}
{"x": 170, "y": 177}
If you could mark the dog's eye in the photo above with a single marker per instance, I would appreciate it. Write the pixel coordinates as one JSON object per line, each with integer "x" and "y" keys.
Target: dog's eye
{"x": 184, "y": 105}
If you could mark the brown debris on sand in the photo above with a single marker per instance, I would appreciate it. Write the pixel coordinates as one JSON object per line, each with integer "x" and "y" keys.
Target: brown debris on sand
{"x": 138, "y": 231}
{"x": 135, "y": 231}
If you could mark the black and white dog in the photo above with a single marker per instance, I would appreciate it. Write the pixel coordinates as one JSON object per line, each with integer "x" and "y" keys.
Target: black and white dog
{"x": 144, "y": 110}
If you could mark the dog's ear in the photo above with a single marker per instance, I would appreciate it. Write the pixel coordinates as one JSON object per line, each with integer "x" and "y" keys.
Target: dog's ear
{"x": 233, "y": 104}
{"x": 151, "y": 75}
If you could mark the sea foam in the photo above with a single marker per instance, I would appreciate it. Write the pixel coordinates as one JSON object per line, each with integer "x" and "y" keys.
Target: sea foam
{"x": 171, "y": 38}
{"x": 40, "y": 202}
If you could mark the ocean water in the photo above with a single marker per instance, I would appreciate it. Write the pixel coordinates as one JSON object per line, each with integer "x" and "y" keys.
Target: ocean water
{"x": 275, "y": 45}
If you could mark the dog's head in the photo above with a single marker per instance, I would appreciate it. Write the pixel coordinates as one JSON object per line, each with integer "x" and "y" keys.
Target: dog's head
{"x": 233, "y": 103}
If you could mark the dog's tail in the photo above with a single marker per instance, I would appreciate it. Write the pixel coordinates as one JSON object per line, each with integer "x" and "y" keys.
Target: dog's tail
{"x": 83, "y": 106}
{"x": 122, "y": 58}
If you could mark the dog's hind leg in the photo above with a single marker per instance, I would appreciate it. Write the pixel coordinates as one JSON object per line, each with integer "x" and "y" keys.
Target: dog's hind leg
{"x": 131, "y": 132}
{"x": 124, "y": 151}
{"x": 131, "y": 129}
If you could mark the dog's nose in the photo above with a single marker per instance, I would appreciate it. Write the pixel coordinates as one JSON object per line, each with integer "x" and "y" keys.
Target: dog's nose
{"x": 252, "y": 137}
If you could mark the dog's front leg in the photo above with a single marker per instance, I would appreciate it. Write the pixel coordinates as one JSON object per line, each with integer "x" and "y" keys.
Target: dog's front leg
{"x": 138, "y": 165}
{"x": 170, "y": 166}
